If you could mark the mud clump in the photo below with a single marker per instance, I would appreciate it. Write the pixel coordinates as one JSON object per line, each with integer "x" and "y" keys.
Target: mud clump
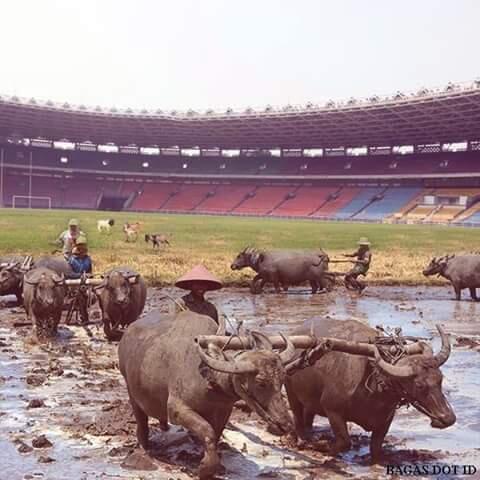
{"x": 35, "y": 380}
{"x": 41, "y": 442}
{"x": 468, "y": 343}
{"x": 36, "y": 403}
{"x": 138, "y": 461}
{"x": 47, "y": 459}
{"x": 118, "y": 420}
{"x": 23, "y": 447}
{"x": 120, "y": 452}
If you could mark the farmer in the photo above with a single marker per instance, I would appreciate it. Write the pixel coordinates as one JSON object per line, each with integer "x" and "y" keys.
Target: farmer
{"x": 79, "y": 260}
{"x": 362, "y": 264}
{"x": 198, "y": 280}
{"x": 67, "y": 239}
{"x": 81, "y": 265}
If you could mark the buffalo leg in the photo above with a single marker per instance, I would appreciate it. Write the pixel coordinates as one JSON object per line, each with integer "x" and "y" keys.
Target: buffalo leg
{"x": 473, "y": 294}
{"x": 458, "y": 292}
{"x": 314, "y": 286}
{"x": 142, "y": 424}
{"x": 298, "y": 411}
{"x": 181, "y": 414}
{"x": 339, "y": 427}
{"x": 378, "y": 436}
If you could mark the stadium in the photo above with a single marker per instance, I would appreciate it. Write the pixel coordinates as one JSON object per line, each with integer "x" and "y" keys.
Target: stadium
{"x": 192, "y": 287}
{"x": 406, "y": 158}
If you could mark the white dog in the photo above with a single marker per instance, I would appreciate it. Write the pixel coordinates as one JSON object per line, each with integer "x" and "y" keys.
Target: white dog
{"x": 105, "y": 226}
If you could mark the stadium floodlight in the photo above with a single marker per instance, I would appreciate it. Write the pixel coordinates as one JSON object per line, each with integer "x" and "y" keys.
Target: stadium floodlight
{"x": 105, "y": 163}
{"x": 209, "y": 112}
{"x": 185, "y": 165}
{"x": 66, "y": 105}
{"x": 145, "y": 164}
{"x": 229, "y": 110}
{"x": 33, "y": 101}
{"x": 63, "y": 159}
{"x": 268, "y": 108}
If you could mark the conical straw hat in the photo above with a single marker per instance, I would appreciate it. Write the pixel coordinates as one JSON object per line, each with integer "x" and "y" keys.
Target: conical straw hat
{"x": 198, "y": 274}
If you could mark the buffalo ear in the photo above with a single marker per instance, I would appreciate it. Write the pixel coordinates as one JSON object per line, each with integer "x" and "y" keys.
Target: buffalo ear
{"x": 261, "y": 257}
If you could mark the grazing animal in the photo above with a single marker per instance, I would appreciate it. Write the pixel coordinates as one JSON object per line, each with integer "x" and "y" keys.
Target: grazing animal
{"x": 131, "y": 231}
{"x": 347, "y": 388}
{"x": 285, "y": 267}
{"x": 200, "y": 395}
{"x": 122, "y": 295}
{"x": 105, "y": 226}
{"x": 157, "y": 239}
{"x": 44, "y": 292}
{"x": 463, "y": 271}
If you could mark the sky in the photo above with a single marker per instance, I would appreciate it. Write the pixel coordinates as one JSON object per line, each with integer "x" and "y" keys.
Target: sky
{"x": 200, "y": 54}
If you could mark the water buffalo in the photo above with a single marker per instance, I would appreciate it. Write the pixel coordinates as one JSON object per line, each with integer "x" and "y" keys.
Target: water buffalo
{"x": 122, "y": 295}
{"x": 11, "y": 277}
{"x": 44, "y": 293}
{"x": 285, "y": 267}
{"x": 200, "y": 395}
{"x": 348, "y": 388}
{"x": 463, "y": 271}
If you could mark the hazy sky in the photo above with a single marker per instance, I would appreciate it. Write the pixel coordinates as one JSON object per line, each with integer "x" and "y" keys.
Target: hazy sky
{"x": 212, "y": 53}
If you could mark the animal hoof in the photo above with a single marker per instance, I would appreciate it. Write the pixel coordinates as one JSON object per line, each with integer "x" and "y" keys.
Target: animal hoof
{"x": 206, "y": 470}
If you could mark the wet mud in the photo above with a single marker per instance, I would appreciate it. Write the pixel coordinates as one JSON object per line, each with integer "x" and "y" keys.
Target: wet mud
{"x": 64, "y": 412}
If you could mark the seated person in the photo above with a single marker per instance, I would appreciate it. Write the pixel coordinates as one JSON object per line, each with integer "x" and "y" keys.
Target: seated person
{"x": 79, "y": 260}
{"x": 81, "y": 265}
{"x": 198, "y": 280}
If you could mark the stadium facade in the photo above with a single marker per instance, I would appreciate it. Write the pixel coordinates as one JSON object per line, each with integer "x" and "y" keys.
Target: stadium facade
{"x": 405, "y": 158}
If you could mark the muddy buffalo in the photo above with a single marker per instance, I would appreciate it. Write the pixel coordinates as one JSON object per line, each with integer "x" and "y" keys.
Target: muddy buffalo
{"x": 463, "y": 271}
{"x": 11, "y": 277}
{"x": 347, "y": 388}
{"x": 122, "y": 295}
{"x": 44, "y": 293}
{"x": 200, "y": 395}
{"x": 285, "y": 267}
{"x": 11, "y": 274}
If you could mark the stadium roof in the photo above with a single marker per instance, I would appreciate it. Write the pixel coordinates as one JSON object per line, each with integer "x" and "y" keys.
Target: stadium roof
{"x": 442, "y": 116}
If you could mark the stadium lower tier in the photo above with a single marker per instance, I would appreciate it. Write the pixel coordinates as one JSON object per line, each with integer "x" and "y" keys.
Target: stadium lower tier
{"x": 356, "y": 203}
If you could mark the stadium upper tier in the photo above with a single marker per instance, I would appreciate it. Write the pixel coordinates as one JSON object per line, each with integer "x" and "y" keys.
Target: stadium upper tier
{"x": 441, "y": 116}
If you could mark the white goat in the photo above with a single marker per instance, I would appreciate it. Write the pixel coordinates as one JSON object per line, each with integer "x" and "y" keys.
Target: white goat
{"x": 105, "y": 226}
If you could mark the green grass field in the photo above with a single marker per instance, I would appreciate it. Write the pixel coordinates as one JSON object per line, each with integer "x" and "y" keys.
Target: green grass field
{"x": 399, "y": 251}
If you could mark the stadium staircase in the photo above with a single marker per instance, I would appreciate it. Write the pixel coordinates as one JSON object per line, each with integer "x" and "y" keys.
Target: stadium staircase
{"x": 467, "y": 214}
{"x": 245, "y": 198}
{"x": 329, "y": 195}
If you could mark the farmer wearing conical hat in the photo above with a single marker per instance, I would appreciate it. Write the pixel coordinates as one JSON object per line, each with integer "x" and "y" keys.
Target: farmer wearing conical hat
{"x": 363, "y": 257}
{"x": 198, "y": 280}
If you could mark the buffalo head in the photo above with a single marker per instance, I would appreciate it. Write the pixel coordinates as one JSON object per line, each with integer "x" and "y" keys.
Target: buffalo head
{"x": 45, "y": 288}
{"x": 248, "y": 257}
{"x": 10, "y": 278}
{"x": 257, "y": 377}
{"x": 418, "y": 379}
{"x": 118, "y": 285}
{"x": 437, "y": 265}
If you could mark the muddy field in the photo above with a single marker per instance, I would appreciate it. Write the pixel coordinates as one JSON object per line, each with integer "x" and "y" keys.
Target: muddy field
{"x": 64, "y": 414}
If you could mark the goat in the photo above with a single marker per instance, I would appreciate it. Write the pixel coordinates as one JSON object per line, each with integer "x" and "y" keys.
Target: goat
{"x": 105, "y": 226}
{"x": 131, "y": 231}
{"x": 157, "y": 239}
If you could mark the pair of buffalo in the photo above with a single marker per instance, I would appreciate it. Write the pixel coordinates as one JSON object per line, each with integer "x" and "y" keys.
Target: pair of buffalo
{"x": 200, "y": 396}
{"x": 286, "y": 267}
{"x": 43, "y": 291}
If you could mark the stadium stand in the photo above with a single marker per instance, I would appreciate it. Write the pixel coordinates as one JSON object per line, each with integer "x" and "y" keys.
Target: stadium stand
{"x": 187, "y": 197}
{"x": 388, "y": 203}
{"x": 304, "y": 201}
{"x": 335, "y": 202}
{"x": 263, "y": 200}
{"x": 225, "y": 198}
{"x": 359, "y": 202}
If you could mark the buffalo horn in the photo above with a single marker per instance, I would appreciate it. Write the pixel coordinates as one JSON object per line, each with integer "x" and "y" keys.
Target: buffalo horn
{"x": 262, "y": 341}
{"x": 442, "y": 356}
{"x": 225, "y": 366}
{"x": 287, "y": 355}
{"x": 393, "y": 370}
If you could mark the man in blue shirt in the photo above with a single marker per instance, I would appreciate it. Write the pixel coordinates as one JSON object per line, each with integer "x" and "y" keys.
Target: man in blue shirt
{"x": 79, "y": 260}
{"x": 81, "y": 265}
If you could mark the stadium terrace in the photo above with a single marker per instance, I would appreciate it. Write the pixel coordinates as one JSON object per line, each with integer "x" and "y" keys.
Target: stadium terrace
{"x": 403, "y": 158}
